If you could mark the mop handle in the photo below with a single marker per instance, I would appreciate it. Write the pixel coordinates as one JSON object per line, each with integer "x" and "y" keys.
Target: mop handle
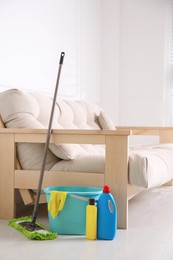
{"x": 34, "y": 214}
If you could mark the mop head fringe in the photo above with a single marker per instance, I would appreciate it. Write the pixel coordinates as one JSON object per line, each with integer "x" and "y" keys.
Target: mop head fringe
{"x": 39, "y": 234}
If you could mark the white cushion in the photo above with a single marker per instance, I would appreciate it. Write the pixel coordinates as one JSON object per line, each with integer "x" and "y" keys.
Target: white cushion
{"x": 85, "y": 163}
{"x": 31, "y": 156}
{"x": 65, "y": 151}
{"x": 21, "y": 113}
{"x": 32, "y": 110}
{"x": 14, "y": 101}
{"x": 151, "y": 166}
{"x": 105, "y": 122}
{"x": 75, "y": 115}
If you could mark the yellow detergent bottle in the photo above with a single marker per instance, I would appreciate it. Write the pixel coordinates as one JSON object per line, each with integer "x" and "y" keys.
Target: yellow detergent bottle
{"x": 91, "y": 220}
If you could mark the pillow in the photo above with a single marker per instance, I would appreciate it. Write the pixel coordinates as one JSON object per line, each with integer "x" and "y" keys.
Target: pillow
{"x": 71, "y": 151}
{"x": 105, "y": 122}
{"x": 65, "y": 151}
{"x": 30, "y": 156}
{"x": 19, "y": 110}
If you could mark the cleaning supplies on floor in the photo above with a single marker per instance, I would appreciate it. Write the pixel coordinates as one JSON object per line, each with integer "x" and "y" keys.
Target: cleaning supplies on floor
{"x": 91, "y": 220}
{"x": 56, "y": 202}
{"x": 107, "y": 215}
{"x": 71, "y": 220}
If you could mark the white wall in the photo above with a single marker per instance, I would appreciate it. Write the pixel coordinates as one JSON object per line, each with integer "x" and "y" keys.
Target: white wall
{"x": 133, "y": 64}
{"x": 142, "y": 66}
{"x": 90, "y": 52}
{"x": 32, "y": 35}
{"x": 115, "y": 53}
{"x": 110, "y": 57}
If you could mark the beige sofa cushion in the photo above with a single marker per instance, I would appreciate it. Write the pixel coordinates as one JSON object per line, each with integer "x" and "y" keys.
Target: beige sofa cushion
{"x": 151, "y": 166}
{"x": 76, "y": 115}
{"x": 31, "y": 157}
{"x": 65, "y": 151}
{"x": 81, "y": 115}
{"x": 105, "y": 122}
{"x": 21, "y": 113}
{"x": 32, "y": 110}
{"x": 84, "y": 163}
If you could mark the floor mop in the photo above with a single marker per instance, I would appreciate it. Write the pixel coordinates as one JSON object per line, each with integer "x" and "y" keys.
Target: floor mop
{"x": 28, "y": 225}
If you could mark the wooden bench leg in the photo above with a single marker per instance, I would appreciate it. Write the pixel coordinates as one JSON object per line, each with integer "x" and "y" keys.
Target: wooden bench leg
{"x": 116, "y": 175}
{"x": 7, "y": 192}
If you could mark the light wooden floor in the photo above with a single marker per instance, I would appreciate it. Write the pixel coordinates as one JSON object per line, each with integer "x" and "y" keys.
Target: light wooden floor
{"x": 149, "y": 237}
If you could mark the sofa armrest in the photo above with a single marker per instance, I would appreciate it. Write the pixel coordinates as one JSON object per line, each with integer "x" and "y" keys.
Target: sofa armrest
{"x": 62, "y": 136}
{"x": 165, "y": 133}
{"x": 116, "y": 160}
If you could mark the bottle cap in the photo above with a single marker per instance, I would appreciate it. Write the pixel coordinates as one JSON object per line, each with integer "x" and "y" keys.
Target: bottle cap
{"x": 91, "y": 201}
{"x": 106, "y": 189}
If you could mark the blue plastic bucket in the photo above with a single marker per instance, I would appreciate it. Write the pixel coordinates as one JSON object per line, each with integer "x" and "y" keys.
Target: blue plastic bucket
{"x": 71, "y": 220}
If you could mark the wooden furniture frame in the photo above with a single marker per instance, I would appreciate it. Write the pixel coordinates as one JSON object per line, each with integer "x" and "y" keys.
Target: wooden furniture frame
{"x": 115, "y": 174}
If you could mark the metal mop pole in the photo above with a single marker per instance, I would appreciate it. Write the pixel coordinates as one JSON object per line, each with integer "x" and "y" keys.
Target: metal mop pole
{"x": 35, "y": 210}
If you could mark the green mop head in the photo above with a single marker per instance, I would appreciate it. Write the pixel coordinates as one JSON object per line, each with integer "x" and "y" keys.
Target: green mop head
{"x": 38, "y": 232}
